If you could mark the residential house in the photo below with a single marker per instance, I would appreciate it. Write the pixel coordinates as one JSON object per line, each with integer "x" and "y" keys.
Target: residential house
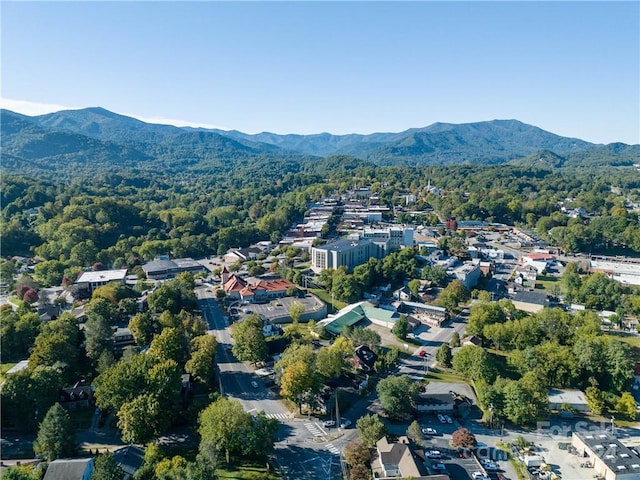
{"x": 241, "y": 254}
{"x": 399, "y": 460}
{"x": 402, "y": 293}
{"x": 365, "y": 358}
{"x": 526, "y": 275}
{"x": 70, "y": 469}
{"x": 129, "y": 459}
{"x": 80, "y": 394}
{"x": 471, "y": 340}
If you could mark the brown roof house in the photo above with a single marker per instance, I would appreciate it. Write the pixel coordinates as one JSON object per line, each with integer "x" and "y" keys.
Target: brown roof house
{"x": 398, "y": 460}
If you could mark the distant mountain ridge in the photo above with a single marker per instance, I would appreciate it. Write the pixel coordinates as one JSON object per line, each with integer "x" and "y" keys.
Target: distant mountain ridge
{"x": 111, "y": 138}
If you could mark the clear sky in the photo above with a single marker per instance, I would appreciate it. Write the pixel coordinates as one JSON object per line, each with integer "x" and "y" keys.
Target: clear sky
{"x": 341, "y": 67}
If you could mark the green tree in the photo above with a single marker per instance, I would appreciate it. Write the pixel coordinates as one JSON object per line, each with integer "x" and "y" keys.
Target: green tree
{"x": 414, "y": 287}
{"x": 225, "y": 426}
{"x": 455, "y": 340}
{"x": 201, "y": 364}
{"x": 170, "y": 344}
{"x": 371, "y": 429}
{"x": 444, "y": 356}
{"x": 452, "y": 295}
{"x": 143, "y": 327}
{"x": 364, "y": 336}
{"x": 295, "y": 311}
{"x": 595, "y": 400}
{"x": 98, "y": 336}
{"x": 435, "y": 274}
{"x": 56, "y": 437}
{"x": 397, "y": 396}
{"x": 414, "y": 432}
{"x": 250, "y": 344}
{"x": 626, "y": 406}
{"x": 141, "y": 419}
{"x": 401, "y": 327}
{"x": 475, "y": 363}
{"x": 105, "y": 467}
{"x": 298, "y": 379}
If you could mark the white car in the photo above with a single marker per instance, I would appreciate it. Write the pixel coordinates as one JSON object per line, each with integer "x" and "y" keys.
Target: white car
{"x": 479, "y": 476}
{"x": 329, "y": 423}
{"x": 441, "y": 418}
{"x": 434, "y": 454}
{"x": 429, "y": 431}
{"x": 345, "y": 423}
{"x": 448, "y": 419}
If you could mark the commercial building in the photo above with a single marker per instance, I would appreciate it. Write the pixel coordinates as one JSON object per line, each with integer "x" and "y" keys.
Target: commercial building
{"x": 164, "y": 269}
{"x": 346, "y": 252}
{"x": 93, "y": 280}
{"x": 608, "y": 457}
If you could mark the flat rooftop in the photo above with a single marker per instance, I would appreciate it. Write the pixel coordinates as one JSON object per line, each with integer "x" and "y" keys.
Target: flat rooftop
{"x": 616, "y": 456}
{"x": 102, "y": 276}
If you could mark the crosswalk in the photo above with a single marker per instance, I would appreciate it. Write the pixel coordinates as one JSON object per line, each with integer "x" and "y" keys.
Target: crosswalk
{"x": 279, "y": 416}
{"x": 314, "y": 429}
{"x": 333, "y": 449}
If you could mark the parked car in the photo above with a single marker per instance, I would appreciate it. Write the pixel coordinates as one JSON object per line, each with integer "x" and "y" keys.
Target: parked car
{"x": 329, "y": 423}
{"x": 448, "y": 419}
{"x": 434, "y": 454}
{"x": 423, "y": 353}
{"x": 441, "y": 418}
{"x": 345, "y": 423}
{"x": 254, "y": 384}
{"x": 479, "y": 476}
{"x": 438, "y": 466}
{"x": 429, "y": 431}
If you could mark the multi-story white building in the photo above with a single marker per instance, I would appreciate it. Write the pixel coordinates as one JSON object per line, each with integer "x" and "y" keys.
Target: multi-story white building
{"x": 347, "y": 253}
{"x": 391, "y": 238}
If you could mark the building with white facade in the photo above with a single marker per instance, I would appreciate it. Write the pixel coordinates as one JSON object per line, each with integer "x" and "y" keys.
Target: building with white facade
{"x": 346, "y": 252}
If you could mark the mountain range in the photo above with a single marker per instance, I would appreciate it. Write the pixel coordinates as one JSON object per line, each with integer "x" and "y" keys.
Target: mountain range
{"x": 98, "y": 137}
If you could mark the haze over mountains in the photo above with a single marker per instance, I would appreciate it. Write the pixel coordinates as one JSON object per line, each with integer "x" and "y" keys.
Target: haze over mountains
{"x": 98, "y": 136}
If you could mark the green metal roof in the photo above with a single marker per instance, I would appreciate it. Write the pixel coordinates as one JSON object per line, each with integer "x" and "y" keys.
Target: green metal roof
{"x": 380, "y": 314}
{"x": 349, "y": 318}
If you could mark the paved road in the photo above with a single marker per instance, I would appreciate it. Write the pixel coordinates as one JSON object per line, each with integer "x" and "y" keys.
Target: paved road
{"x": 304, "y": 450}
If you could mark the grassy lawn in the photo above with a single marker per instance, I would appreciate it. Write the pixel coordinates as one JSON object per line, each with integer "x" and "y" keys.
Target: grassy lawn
{"x": 445, "y": 375}
{"x": 326, "y": 298}
{"x": 546, "y": 282}
{"x": 247, "y": 473}
{"x": 632, "y": 340}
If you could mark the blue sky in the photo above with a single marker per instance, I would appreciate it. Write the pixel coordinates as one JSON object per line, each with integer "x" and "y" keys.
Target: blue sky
{"x": 341, "y": 67}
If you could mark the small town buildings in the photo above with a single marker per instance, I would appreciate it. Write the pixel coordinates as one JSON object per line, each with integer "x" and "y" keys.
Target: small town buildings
{"x": 625, "y": 271}
{"x": 264, "y": 290}
{"x": 129, "y": 459}
{"x": 241, "y": 254}
{"x": 609, "y": 458}
{"x": 70, "y": 469}
{"x": 365, "y": 358}
{"x": 526, "y": 275}
{"x": 531, "y": 302}
{"x": 163, "y": 269}
{"x": 468, "y": 274}
{"x": 80, "y": 394}
{"x": 424, "y": 313}
{"x": 399, "y": 460}
{"x": 346, "y": 252}
{"x": 560, "y": 399}
{"x": 92, "y": 280}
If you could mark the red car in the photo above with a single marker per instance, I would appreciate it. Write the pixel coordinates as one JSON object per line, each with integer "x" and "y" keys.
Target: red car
{"x": 423, "y": 353}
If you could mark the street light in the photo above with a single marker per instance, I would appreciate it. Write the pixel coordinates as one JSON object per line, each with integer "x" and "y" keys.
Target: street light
{"x": 613, "y": 424}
